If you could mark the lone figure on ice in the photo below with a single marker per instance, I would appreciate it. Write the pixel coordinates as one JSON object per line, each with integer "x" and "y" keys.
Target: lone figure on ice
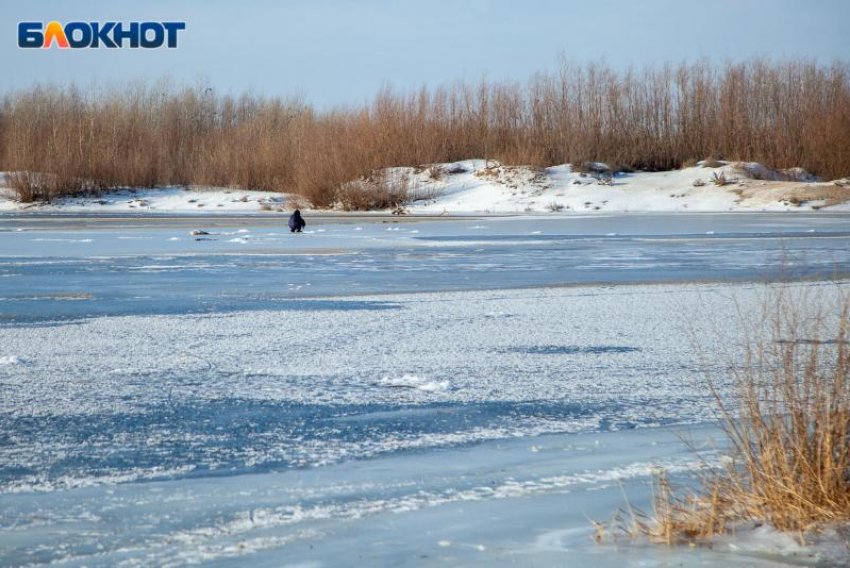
{"x": 296, "y": 222}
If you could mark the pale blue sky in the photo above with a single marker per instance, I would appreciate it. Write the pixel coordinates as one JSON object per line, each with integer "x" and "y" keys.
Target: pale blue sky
{"x": 342, "y": 52}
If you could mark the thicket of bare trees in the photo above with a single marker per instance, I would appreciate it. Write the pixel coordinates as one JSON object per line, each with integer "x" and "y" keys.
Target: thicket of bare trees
{"x": 781, "y": 114}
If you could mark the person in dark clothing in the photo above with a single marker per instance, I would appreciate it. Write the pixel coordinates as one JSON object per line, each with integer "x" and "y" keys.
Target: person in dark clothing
{"x": 296, "y": 222}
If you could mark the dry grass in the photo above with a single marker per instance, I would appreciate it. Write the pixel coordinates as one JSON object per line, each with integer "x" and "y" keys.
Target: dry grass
{"x": 785, "y": 114}
{"x": 719, "y": 179}
{"x": 788, "y": 427}
{"x": 822, "y": 193}
{"x": 435, "y": 173}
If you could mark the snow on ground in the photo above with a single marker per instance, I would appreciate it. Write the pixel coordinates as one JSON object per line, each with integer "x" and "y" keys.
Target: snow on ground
{"x": 472, "y": 186}
{"x": 478, "y": 186}
{"x": 203, "y": 201}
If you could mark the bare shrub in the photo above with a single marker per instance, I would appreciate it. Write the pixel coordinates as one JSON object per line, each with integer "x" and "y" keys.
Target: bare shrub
{"x": 698, "y": 183}
{"x": 356, "y": 196}
{"x": 25, "y": 187}
{"x": 555, "y": 207}
{"x": 719, "y": 179}
{"x": 294, "y": 202}
{"x": 39, "y": 186}
{"x": 382, "y": 190}
{"x": 423, "y": 192}
{"x": 435, "y": 173}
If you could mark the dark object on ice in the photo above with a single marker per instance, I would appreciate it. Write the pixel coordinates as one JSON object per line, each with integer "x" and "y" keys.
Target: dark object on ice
{"x": 296, "y": 222}
{"x": 197, "y": 232}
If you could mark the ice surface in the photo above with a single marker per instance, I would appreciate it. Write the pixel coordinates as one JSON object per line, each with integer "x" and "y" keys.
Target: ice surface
{"x": 496, "y": 503}
{"x": 151, "y": 273}
{"x": 455, "y": 395}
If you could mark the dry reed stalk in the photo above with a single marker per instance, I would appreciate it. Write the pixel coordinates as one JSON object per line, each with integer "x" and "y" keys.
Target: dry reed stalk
{"x": 788, "y": 428}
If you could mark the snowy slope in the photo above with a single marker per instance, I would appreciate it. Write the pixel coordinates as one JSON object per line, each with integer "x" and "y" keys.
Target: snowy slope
{"x": 479, "y": 186}
{"x": 504, "y": 189}
{"x": 162, "y": 200}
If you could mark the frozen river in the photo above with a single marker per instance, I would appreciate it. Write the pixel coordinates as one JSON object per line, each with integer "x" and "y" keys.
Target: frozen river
{"x": 135, "y": 266}
{"x": 457, "y": 391}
